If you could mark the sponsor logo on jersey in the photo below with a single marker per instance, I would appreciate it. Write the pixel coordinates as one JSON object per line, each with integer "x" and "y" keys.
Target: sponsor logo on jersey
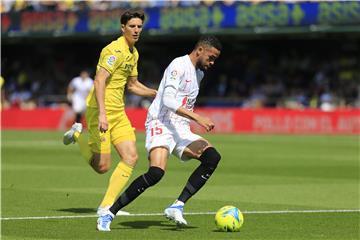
{"x": 184, "y": 101}
{"x": 128, "y": 67}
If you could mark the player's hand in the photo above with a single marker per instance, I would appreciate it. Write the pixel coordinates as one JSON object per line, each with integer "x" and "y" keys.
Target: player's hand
{"x": 206, "y": 123}
{"x": 155, "y": 92}
{"x": 103, "y": 123}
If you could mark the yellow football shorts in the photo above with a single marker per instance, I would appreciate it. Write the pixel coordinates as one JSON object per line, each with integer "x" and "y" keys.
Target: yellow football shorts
{"x": 119, "y": 130}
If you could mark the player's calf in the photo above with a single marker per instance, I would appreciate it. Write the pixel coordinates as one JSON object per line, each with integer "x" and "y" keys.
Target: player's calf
{"x": 138, "y": 186}
{"x": 153, "y": 175}
{"x": 210, "y": 158}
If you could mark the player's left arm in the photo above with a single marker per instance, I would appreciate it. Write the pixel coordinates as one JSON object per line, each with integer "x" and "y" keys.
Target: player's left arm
{"x": 137, "y": 88}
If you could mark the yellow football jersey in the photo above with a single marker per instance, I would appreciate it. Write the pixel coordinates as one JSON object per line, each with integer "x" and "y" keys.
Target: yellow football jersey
{"x": 120, "y": 62}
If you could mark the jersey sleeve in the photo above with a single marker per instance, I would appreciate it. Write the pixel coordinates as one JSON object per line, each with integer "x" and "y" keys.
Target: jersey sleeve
{"x": 173, "y": 75}
{"x": 169, "y": 99}
{"x": 109, "y": 60}
{"x": 72, "y": 83}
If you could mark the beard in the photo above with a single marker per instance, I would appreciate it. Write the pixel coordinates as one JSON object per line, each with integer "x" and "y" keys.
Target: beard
{"x": 200, "y": 66}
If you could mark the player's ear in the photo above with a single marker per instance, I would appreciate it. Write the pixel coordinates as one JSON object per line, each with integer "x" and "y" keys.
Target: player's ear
{"x": 123, "y": 28}
{"x": 200, "y": 50}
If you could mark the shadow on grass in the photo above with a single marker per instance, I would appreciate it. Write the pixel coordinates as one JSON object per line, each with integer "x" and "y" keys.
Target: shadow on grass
{"x": 150, "y": 223}
{"x": 78, "y": 210}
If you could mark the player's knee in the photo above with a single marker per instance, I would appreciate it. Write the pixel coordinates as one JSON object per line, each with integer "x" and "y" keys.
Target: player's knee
{"x": 210, "y": 158}
{"x": 153, "y": 175}
{"x": 101, "y": 163}
{"x": 99, "y": 167}
{"x": 131, "y": 160}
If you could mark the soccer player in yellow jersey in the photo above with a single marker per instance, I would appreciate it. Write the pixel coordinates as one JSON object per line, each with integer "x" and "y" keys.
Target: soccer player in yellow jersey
{"x": 105, "y": 115}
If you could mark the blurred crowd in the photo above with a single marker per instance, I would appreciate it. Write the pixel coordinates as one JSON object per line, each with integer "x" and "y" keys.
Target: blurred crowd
{"x": 278, "y": 73}
{"x": 76, "y": 5}
{"x": 290, "y": 74}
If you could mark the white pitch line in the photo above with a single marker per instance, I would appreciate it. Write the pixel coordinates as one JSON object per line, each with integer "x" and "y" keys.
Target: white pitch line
{"x": 190, "y": 213}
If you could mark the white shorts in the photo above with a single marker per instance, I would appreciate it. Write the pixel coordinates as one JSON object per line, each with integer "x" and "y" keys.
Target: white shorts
{"x": 175, "y": 139}
{"x": 78, "y": 104}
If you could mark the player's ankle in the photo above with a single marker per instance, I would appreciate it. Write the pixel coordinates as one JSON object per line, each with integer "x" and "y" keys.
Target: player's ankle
{"x": 178, "y": 203}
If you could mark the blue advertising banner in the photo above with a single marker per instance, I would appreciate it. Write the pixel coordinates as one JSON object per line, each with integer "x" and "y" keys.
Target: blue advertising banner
{"x": 237, "y": 16}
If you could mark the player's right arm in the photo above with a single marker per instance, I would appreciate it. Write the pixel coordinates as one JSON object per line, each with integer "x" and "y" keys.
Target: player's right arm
{"x": 173, "y": 76}
{"x": 108, "y": 63}
{"x": 169, "y": 102}
{"x": 99, "y": 84}
{"x": 205, "y": 122}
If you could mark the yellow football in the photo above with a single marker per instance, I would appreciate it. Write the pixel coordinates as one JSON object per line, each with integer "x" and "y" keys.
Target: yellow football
{"x": 229, "y": 219}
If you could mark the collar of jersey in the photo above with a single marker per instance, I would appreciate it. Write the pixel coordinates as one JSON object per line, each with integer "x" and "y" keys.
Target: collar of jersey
{"x": 124, "y": 47}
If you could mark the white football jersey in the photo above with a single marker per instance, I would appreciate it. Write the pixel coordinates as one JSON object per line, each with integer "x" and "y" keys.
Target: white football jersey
{"x": 81, "y": 90}
{"x": 81, "y": 87}
{"x": 182, "y": 76}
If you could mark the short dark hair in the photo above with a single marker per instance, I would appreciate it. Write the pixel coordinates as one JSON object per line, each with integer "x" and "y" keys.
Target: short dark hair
{"x": 209, "y": 41}
{"x": 132, "y": 13}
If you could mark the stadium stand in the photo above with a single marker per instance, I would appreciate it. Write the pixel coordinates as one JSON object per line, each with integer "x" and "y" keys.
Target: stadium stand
{"x": 271, "y": 74}
{"x": 307, "y": 70}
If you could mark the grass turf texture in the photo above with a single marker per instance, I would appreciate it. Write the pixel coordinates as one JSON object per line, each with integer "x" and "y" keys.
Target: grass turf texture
{"x": 41, "y": 177}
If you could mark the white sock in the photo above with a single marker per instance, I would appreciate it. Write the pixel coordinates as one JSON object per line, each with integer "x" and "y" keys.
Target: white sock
{"x": 178, "y": 203}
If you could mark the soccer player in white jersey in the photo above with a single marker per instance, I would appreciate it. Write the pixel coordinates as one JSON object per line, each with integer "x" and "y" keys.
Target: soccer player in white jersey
{"x": 168, "y": 131}
{"x": 77, "y": 92}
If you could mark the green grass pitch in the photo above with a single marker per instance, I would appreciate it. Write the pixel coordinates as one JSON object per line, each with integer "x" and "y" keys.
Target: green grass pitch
{"x": 260, "y": 174}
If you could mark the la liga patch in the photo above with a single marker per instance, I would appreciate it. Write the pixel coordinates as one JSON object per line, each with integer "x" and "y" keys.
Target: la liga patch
{"x": 173, "y": 74}
{"x": 110, "y": 61}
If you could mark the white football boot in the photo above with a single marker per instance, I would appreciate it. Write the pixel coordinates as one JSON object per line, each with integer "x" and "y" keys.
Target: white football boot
{"x": 69, "y": 135}
{"x": 104, "y": 221}
{"x": 175, "y": 213}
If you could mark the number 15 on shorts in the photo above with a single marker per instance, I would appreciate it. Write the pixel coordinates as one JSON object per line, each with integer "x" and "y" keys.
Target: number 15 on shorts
{"x": 156, "y": 131}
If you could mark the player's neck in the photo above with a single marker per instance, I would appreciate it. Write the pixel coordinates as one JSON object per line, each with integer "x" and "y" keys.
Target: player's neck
{"x": 193, "y": 58}
{"x": 130, "y": 44}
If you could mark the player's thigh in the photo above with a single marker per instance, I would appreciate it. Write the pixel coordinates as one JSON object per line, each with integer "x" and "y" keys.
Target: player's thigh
{"x": 188, "y": 144}
{"x": 195, "y": 149}
{"x": 127, "y": 151}
{"x": 100, "y": 143}
{"x": 158, "y": 157}
{"x": 121, "y": 129}
{"x": 159, "y": 135}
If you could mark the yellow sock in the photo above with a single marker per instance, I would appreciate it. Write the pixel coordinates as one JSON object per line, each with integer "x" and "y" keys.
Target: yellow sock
{"x": 117, "y": 182}
{"x": 84, "y": 146}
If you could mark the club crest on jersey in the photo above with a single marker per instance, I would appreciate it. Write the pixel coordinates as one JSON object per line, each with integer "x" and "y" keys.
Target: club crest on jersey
{"x": 111, "y": 60}
{"x": 173, "y": 73}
